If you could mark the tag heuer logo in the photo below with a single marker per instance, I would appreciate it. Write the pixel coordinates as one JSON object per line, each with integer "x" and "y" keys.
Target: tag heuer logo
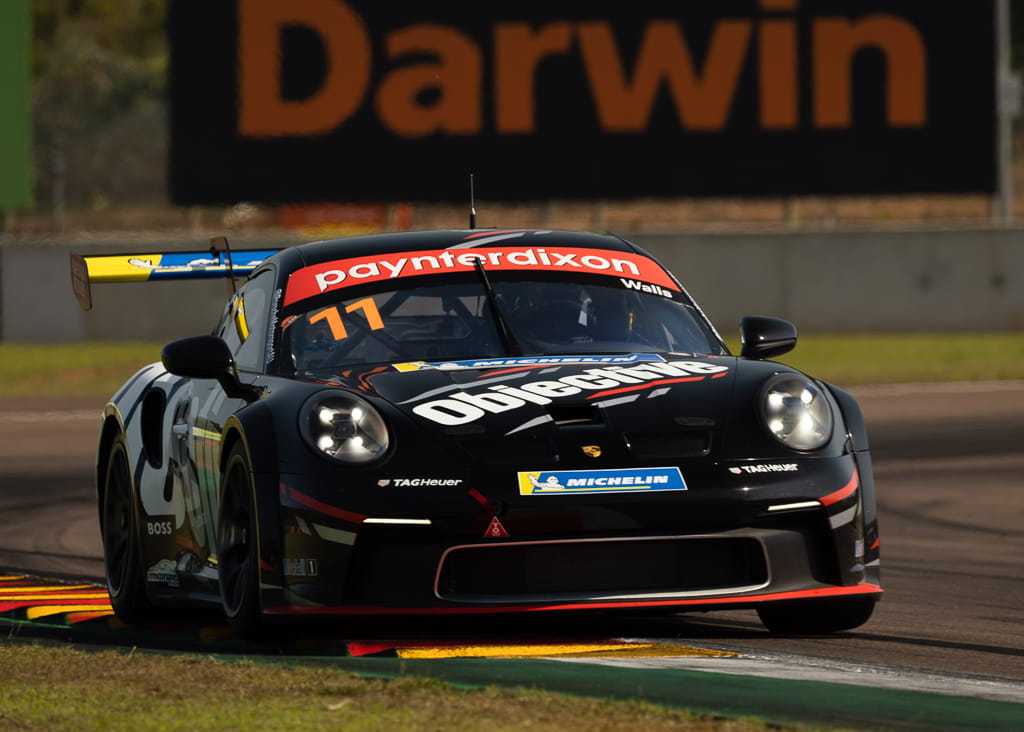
{"x": 591, "y": 450}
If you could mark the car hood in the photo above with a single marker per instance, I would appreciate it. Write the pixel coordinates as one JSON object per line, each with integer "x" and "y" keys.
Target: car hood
{"x": 651, "y": 406}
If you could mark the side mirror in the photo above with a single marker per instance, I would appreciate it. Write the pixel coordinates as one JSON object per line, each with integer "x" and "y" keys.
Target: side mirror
{"x": 764, "y": 337}
{"x": 207, "y": 357}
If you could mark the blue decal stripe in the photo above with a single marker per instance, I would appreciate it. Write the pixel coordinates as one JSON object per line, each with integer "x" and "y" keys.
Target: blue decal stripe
{"x": 490, "y": 363}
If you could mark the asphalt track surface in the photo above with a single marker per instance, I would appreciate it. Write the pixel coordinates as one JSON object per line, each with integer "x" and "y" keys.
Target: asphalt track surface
{"x": 949, "y": 469}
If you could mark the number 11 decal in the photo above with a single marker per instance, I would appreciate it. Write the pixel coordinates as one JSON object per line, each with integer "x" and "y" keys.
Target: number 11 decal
{"x": 333, "y": 317}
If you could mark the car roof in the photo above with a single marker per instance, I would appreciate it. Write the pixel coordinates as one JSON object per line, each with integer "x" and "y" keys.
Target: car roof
{"x": 359, "y": 246}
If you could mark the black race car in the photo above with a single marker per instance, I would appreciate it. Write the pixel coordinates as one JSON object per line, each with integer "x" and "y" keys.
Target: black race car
{"x": 477, "y": 422}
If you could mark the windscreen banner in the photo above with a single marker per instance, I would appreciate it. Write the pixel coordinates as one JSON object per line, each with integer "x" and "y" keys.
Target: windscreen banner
{"x": 362, "y": 100}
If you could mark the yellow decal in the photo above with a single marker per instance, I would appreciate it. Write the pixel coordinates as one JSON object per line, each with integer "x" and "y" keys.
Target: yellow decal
{"x": 125, "y": 268}
{"x": 241, "y": 324}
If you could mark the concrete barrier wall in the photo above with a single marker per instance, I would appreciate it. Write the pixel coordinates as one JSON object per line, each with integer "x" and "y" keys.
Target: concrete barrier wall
{"x": 36, "y": 302}
{"x": 969, "y": 280}
{"x": 877, "y": 281}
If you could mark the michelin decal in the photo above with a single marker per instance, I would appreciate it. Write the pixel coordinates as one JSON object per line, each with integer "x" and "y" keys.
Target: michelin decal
{"x": 623, "y": 480}
{"x": 525, "y": 361}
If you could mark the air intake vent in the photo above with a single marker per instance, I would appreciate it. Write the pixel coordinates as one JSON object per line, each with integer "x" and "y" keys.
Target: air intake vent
{"x": 671, "y": 446}
{"x": 566, "y": 415}
{"x": 601, "y": 569}
{"x": 511, "y": 451}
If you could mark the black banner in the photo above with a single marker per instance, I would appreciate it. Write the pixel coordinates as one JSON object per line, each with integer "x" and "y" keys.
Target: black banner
{"x": 348, "y": 100}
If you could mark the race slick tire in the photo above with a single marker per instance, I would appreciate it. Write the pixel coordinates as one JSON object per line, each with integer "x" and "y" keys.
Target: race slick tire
{"x": 816, "y": 616}
{"x": 126, "y": 581}
{"x": 238, "y": 546}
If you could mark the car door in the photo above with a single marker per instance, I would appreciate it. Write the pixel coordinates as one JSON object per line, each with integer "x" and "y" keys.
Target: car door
{"x": 243, "y": 326}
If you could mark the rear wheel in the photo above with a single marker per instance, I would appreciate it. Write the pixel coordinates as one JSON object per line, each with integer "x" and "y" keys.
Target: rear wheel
{"x": 816, "y": 616}
{"x": 238, "y": 546}
{"x": 122, "y": 551}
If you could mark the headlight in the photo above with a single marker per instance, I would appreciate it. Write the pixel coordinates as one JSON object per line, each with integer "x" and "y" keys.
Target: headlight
{"x": 796, "y": 412}
{"x": 344, "y": 427}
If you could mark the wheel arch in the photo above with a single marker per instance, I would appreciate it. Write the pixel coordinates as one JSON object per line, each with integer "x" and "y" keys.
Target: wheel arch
{"x": 233, "y": 435}
{"x": 109, "y": 431}
{"x": 853, "y": 417}
{"x": 858, "y": 432}
{"x": 254, "y": 429}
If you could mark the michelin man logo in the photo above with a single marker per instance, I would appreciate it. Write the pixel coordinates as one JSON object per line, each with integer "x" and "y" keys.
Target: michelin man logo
{"x": 550, "y": 483}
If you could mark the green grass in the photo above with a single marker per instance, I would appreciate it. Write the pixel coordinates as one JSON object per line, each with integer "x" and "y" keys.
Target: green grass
{"x": 100, "y": 368}
{"x": 62, "y": 688}
{"x": 898, "y": 358}
{"x": 71, "y": 368}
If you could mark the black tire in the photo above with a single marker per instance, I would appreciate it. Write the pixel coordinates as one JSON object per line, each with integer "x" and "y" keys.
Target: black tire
{"x": 122, "y": 550}
{"x": 800, "y": 617}
{"x": 238, "y": 546}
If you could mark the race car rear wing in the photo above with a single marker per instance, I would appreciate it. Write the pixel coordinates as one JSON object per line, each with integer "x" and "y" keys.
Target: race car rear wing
{"x": 217, "y": 261}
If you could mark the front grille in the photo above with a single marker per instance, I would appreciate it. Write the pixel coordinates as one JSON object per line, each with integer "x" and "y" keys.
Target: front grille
{"x": 605, "y": 569}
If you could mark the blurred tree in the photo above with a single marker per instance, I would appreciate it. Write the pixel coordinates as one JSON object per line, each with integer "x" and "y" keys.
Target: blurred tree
{"x": 1017, "y": 34}
{"x": 95, "y": 63}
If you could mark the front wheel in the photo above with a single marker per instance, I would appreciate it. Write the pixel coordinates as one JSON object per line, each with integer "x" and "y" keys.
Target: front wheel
{"x": 238, "y": 545}
{"x": 122, "y": 551}
{"x": 816, "y": 616}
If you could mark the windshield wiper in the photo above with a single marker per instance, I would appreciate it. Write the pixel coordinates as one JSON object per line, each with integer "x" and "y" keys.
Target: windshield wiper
{"x": 504, "y": 331}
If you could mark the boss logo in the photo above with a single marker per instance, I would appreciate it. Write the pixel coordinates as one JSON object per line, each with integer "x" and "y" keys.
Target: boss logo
{"x": 159, "y": 528}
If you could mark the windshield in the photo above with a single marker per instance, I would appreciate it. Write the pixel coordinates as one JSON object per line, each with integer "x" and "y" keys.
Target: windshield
{"x": 455, "y": 321}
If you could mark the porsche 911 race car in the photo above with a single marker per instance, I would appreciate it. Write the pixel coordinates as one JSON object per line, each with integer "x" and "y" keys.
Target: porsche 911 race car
{"x": 476, "y": 422}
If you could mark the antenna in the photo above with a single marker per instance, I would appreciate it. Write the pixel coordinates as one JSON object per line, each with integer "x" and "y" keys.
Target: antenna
{"x": 220, "y": 244}
{"x": 472, "y": 204}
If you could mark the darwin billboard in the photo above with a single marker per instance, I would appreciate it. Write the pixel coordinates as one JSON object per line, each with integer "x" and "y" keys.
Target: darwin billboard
{"x": 333, "y": 100}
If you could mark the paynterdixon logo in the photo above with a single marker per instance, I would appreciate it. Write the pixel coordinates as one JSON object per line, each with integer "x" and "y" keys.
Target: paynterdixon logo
{"x": 327, "y": 276}
{"x": 618, "y": 480}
